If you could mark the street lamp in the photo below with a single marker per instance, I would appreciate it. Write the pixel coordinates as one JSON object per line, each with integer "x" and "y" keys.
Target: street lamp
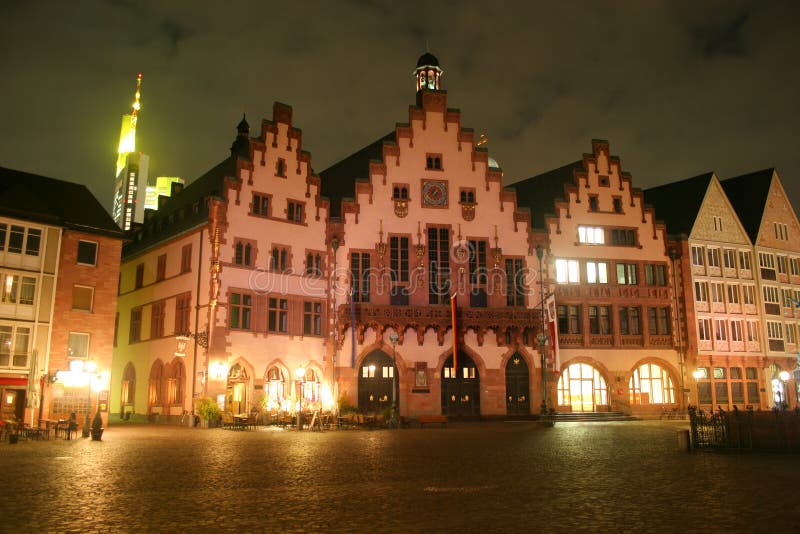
{"x": 784, "y": 376}
{"x": 542, "y": 337}
{"x": 393, "y": 337}
{"x": 300, "y": 373}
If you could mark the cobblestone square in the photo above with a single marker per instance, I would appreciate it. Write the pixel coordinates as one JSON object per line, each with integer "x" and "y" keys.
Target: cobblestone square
{"x": 468, "y": 477}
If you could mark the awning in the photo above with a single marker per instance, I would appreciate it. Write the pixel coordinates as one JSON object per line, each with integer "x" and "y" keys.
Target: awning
{"x": 13, "y": 381}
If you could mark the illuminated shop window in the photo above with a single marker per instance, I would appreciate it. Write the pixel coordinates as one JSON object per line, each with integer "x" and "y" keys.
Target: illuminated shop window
{"x": 651, "y": 384}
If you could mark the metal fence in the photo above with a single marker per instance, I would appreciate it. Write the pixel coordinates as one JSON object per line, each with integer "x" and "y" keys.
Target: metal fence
{"x": 777, "y": 429}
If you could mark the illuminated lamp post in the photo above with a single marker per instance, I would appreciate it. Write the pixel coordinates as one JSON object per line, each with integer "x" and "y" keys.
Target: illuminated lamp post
{"x": 87, "y": 370}
{"x": 300, "y": 373}
{"x": 393, "y": 337}
{"x": 784, "y": 376}
{"x": 542, "y": 337}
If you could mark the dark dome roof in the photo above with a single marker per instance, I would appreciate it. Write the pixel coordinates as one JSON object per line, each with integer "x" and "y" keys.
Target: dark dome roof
{"x": 427, "y": 60}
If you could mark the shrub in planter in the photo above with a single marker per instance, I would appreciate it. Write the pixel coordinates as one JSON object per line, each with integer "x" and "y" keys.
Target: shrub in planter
{"x": 97, "y": 427}
{"x": 208, "y": 409}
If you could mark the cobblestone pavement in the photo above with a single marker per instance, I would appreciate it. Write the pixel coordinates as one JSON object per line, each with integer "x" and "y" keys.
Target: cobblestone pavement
{"x": 469, "y": 477}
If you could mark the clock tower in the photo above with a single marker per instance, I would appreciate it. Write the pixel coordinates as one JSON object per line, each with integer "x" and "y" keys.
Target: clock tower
{"x": 427, "y": 73}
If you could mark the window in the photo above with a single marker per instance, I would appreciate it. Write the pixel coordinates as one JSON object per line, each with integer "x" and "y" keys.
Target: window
{"x": 752, "y": 331}
{"x": 783, "y": 263}
{"x": 569, "y": 319}
{"x": 600, "y": 320}
{"x": 87, "y": 253}
{"x": 515, "y": 282}
{"x": 186, "y": 259}
{"x": 139, "y": 282}
{"x": 314, "y": 264}
{"x": 591, "y": 234}
{"x": 183, "y": 307}
{"x": 280, "y": 259}
{"x": 16, "y": 289}
{"x": 593, "y": 203}
{"x": 360, "y": 275}
{"x": 713, "y": 257}
{"x": 623, "y": 237}
{"x": 733, "y": 294}
{"x": 280, "y": 167}
{"x": 744, "y": 260}
{"x": 790, "y": 334}
{"x": 775, "y": 336}
{"x": 312, "y": 318}
{"x": 260, "y": 205}
{"x": 398, "y": 258}
{"x": 14, "y": 342}
{"x": 701, "y": 291}
{"x": 400, "y": 192}
{"x": 767, "y": 264}
{"x": 786, "y": 298}
{"x": 278, "y": 315}
{"x": 717, "y": 223}
{"x": 136, "y": 325}
{"x": 704, "y": 329}
{"x": 16, "y": 238}
{"x": 433, "y": 161}
{"x": 617, "y": 205}
{"x": 243, "y": 254}
{"x": 596, "y": 272}
{"x": 241, "y": 305}
{"x": 294, "y": 211}
{"x": 438, "y": 265}
{"x": 567, "y": 271}
{"x": 33, "y": 242}
{"x": 82, "y": 297}
{"x": 794, "y": 266}
{"x": 749, "y": 294}
{"x": 781, "y": 231}
{"x": 651, "y": 384}
{"x": 697, "y": 256}
{"x": 658, "y": 321}
{"x": 626, "y": 274}
{"x": 655, "y": 275}
{"x": 629, "y": 321}
{"x": 78, "y": 345}
{"x": 717, "y": 292}
{"x": 157, "y": 313}
{"x": 27, "y": 291}
{"x": 3, "y": 234}
{"x": 720, "y": 330}
{"x": 161, "y": 268}
{"x": 729, "y": 258}
{"x": 468, "y": 196}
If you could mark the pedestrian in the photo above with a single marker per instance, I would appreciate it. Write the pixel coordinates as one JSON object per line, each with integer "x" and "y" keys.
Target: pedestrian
{"x": 72, "y": 424}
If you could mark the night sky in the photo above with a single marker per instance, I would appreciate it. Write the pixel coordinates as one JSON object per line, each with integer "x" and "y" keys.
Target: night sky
{"x": 678, "y": 88}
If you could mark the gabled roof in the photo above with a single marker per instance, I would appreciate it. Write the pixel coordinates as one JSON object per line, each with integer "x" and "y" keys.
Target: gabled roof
{"x": 49, "y": 201}
{"x": 339, "y": 180}
{"x": 678, "y": 204}
{"x": 177, "y": 215}
{"x": 540, "y": 193}
{"x": 748, "y": 196}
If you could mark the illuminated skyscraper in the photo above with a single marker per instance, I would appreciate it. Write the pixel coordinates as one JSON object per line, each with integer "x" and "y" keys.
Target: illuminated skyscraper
{"x": 131, "y": 174}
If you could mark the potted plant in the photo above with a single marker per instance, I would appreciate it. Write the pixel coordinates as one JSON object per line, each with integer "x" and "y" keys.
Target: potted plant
{"x": 208, "y": 409}
{"x": 97, "y": 427}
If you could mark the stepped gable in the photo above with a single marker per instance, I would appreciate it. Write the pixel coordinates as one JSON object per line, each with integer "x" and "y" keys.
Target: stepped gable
{"x": 540, "y": 193}
{"x": 48, "y": 200}
{"x": 678, "y": 204}
{"x": 339, "y": 180}
{"x": 748, "y": 196}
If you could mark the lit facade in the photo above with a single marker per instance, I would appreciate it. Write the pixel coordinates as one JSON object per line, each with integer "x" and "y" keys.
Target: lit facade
{"x": 163, "y": 187}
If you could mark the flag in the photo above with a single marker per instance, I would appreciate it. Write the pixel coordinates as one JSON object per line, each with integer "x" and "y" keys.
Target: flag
{"x": 352, "y": 325}
{"x": 455, "y": 340}
{"x": 552, "y": 323}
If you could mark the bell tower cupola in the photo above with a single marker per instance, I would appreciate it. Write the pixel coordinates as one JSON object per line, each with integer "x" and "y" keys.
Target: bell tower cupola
{"x": 428, "y": 73}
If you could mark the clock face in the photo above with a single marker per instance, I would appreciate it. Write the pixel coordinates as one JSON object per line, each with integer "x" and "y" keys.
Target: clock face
{"x": 434, "y": 193}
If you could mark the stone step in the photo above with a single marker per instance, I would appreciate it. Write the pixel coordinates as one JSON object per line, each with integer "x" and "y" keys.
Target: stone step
{"x": 593, "y": 416}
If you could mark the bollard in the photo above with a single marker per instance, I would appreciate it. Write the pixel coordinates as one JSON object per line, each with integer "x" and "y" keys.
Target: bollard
{"x": 683, "y": 440}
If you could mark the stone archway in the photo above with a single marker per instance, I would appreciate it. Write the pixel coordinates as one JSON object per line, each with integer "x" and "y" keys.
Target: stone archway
{"x": 582, "y": 388}
{"x": 517, "y": 386}
{"x": 461, "y": 392}
{"x": 375, "y": 382}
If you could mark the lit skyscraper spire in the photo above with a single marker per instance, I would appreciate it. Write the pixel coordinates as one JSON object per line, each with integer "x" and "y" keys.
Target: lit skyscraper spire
{"x": 127, "y": 134}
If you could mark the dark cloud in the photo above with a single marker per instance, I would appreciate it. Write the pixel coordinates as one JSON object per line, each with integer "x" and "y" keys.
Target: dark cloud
{"x": 678, "y": 88}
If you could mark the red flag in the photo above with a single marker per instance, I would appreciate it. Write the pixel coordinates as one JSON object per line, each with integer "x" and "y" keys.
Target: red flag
{"x": 455, "y": 340}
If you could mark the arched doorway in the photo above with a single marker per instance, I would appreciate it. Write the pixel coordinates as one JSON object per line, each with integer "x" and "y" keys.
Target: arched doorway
{"x": 582, "y": 388}
{"x": 310, "y": 391}
{"x": 154, "y": 396}
{"x": 275, "y": 384}
{"x": 651, "y": 384}
{"x": 517, "y": 386}
{"x": 236, "y": 400}
{"x": 375, "y": 382}
{"x": 461, "y": 394}
{"x": 128, "y": 392}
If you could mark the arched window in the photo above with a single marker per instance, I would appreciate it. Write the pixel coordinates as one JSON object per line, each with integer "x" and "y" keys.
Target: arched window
{"x": 310, "y": 386}
{"x": 154, "y": 387}
{"x": 276, "y": 390}
{"x": 175, "y": 383}
{"x": 582, "y": 387}
{"x": 128, "y": 392}
{"x": 651, "y": 384}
